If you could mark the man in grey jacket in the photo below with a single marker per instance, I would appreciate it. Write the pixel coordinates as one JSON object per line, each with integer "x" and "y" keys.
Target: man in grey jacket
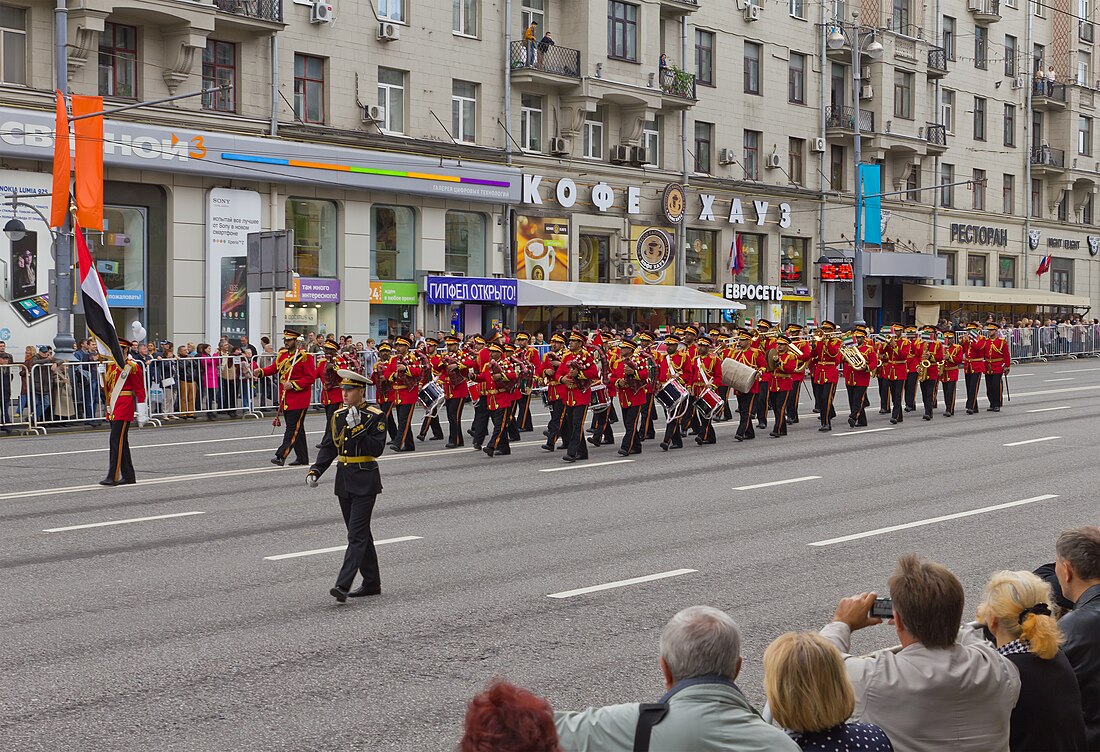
{"x": 703, "y": 710}
{"x": 1078, "y": 570}
{"x": 946, "y": 688}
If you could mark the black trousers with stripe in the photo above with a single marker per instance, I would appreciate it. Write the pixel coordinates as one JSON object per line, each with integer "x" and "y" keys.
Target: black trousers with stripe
{"x": 404, "y": 441}
{"x": 294, "y": 437}
{"x": 949, "y": 396}
{"x": 121, "y": 466}
{"x": 632, "y": 424}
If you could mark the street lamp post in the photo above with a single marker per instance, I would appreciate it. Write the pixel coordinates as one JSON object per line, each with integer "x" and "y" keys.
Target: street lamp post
{"x": 63, "y": 342}
{"x": 864, "y": 41}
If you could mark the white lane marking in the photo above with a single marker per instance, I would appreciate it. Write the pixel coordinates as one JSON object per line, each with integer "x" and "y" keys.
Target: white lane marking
{"x": 1049, "y": 409}
{"x": 385, "y": 458}
{"x": 344, "y": 547}
{"x": 1079, "y": 370}
{"x": 120, "y": 522}
{"x": 777, "y": 483}
{"x": 621, "y": 583}
{"x": 865, "y": 430}
{"x": 150, "y": 482}
{"x": 1032, "y": 441}
{"x": 1063, "y": 390}
{"x": 143, "y": 446}
{"x": 932, "y": 520}
{"x": 1051, "y": 381}
{"x": 582, "y": 464}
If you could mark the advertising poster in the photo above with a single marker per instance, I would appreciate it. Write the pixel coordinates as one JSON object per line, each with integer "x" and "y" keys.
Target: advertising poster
{"x": 234, "y": 323}
{"x": 542, "y": 248}
{"x": 24, "y": 266}
{"x": 652, "y": 255}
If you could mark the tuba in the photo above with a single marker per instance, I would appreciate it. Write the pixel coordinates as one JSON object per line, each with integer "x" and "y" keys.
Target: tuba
{"x": 853, "y": 357}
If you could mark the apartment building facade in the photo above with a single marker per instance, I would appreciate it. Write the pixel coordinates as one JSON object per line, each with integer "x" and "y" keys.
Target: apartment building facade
{"x": 404, "y": 140}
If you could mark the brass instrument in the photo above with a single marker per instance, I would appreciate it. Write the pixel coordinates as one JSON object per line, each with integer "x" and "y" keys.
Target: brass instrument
{"x": 853, "y": 357}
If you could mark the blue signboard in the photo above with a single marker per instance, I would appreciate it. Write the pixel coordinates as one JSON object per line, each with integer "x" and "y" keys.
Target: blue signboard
{"x": 450, "y": 290}
{"x": 126, "y": 298}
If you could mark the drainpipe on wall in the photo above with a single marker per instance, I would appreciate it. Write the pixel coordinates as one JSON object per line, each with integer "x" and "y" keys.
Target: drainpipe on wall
{"x": 681, "y": 229}
{"x": 274, "y": 86}
{"x": 823, "y": 309}
{"x": 936, "y": 159}
{"x": 1028, "y": 145}
{"x": 505, "y": 210}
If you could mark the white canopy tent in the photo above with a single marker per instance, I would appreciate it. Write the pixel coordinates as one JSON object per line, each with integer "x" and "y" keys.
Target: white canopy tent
{"x": 599, "y": 295}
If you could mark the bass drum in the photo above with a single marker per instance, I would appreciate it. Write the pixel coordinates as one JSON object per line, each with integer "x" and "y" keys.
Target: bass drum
{"x": 739, "y": 376}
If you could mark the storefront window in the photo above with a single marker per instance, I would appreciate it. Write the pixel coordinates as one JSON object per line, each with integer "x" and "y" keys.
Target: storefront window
{"x": 792, "y": 262}
{"x": 1006, "y": 271}
{"x": 314, "y": 226}
{"x": 594, "y": 258}
{"x": 465, "y": 243}
{"x": 976, "y": 270}
{"x": 752, "y": 248}
{"x": 120, "y": 258}
{"x": 393, "y": 242}
{"x": 701, "y": 245}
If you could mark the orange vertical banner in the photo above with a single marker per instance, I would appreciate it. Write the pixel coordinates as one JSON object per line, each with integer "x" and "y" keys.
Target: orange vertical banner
{"x": 62, "y": 166}
{"x": 89, "y": 161}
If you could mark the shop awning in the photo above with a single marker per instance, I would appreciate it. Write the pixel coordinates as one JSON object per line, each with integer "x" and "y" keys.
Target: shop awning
{"x": 598, "y": 295}
{"x": 992, "y": 295}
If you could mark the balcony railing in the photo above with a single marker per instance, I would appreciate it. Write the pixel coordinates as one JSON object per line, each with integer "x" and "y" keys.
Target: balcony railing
{"x": 261, "y": 10}
{"x": 1085, "y": 31}
{"x": 678, "y": 83}
{"x": 936, "y": 135}
{"x": 937, "y": 59}
{"x": 991, "y": 8}
{"x": 845, "y": 117}
{"x": 1046, "y": 156}
{"x": 555, "y": 59}
{"x": 1042, "y": 87}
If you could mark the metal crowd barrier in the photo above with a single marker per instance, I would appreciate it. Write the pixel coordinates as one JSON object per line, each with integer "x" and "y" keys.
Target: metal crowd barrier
{"x": 1042, "y": 343}
{"x": 65, "y": 394}
{"x": 14, "y": 415}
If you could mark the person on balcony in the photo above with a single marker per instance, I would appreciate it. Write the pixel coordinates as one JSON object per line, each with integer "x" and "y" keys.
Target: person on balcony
{"x": 1050, "y": 81}
{"x": 545, "y": 44}
{"x": 529, "y": 43}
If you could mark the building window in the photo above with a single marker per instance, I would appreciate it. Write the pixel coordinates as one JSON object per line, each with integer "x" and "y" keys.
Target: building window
{"x": 981, "y": 47}
{"x": 704, "y": 137}
{"x": 1010, "y": 56}
{"x": 532, "y": 10}
{"x": 651, "y": 140}
{"x": 1084, "y": 136}
{"x": 530, "y": 127}
{"x": 1008, "y": 193}
{"x": 1036, "y": 197}
{"x": 752, "y": 155}
{"x": 392, "y": 10}
{"x": 391, "y": 96}
{"x": 979, "y": 118}
{"x": 704, "y": 57}
{"x": 947, "y": 191}
{"x": 464, "y": 17}
{"x": 753, "y": 54}
{"x": 315, "y": 236}
{"x": 13, "y": 45}
{"x": 793, "y": 266}
{"x": 837, "y": 167}
{"x": 309, "y": 88}
{"x": 976, "y": 269}
{"x": 622, "y": 30}
{"x": 1086, "y": 210}
{"x": 796, "y": 147}
{"x": 464, "y": 111}
{"x": 393, "y": 242}
{"x": 949, "y": 274}
{"x": 117, "y": 61}
{"x": 978, "y": 186}
{"x": 949, "y": 37}
{"x": 899, "y": 18}
{"x": 465, "y": 243}
{"x": 1006, "y": 271}
{"x": 1036, "y": 129}
{"x": 219, "y": 68}
{"x": 903, "y": 95}
{"x": 594, "y": 258}
{"x": 797, "y": 8}
{"x": 593, "y": 135}
{"x": 1038, "y": 53}
{"x": 1061, "y": 275}
{"x": 1063, "y": 207}
{"x": 796, "y": 78}
{"x": 947, "y": 109}
{"x": 752, "y": 246}
{"x": 1010, "y": 125}
{"x": 912, "y": 185}
{"x": 1083, "y": 68}
{"x": 700, "y": 252}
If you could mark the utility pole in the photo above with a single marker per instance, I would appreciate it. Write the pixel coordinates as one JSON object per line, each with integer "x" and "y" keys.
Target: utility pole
{"x": 63, "y": 250}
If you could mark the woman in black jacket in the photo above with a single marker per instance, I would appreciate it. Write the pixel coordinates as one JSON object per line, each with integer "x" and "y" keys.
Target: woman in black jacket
{"x": 1048, "y": 716}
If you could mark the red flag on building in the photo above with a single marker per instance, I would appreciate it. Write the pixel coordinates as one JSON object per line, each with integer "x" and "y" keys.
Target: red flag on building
{"x": 1044, "y": 266}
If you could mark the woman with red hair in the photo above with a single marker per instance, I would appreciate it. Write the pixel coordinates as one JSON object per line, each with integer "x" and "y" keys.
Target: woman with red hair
{"x": 507, "y": 718}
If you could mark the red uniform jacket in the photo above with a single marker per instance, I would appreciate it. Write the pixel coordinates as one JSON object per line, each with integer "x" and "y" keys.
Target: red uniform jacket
{"x": 976, "y": 351}
{"x": 852, "y": 377}
{"x": 916, "y": 354}
{"x": 952, "y": 359}
{"x": 754, "y": 357}
{"x": 133, "y": 390}
{"x": 934, "y": 352}
{"x": 331, "y": 393}
{"x": 708, "y": 368}
{"x": 297, "y": 372}
{"x": 454, "y": 381}
{"x": 581, "y": 392}
{"x": 406, "y": 386}
{"x": 826, "y": 361}
{"x": 631, "y": 379}
{"x": 764, "y": 344}
{"x": 781, "y": 379}
{"x": 548, "y": 370}
{"x": 498, "y": 378}
{"x": 678, "y": 366}
{"x": 998, "y": 358}
{"x": 894, "y": 360}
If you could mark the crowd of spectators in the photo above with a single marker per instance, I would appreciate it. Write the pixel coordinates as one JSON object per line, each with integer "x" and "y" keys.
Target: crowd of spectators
{"x": 1024, "y": 676}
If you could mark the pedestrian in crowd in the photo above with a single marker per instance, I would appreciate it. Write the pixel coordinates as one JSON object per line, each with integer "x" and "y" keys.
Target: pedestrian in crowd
{"x": 1017, "y": 611}
{"x": 809, "y": 694}
{"x": 7, "y": 363}
{"x": 1078, "y": 570}
{"x": 507, "y": 718}
{"x": 208, "y": 378}
{"x": 88, "y": 391}
{"x": 61, "y": 389}
{"x": 41, "y": 367}
{"x": 248, "y": 349}
{"x": 29, "y": 353}
{"x": 162, "y": 379}
{"x": 265, "y": 342}
{"x": 703, "y": 709}
{"x": 940, "y": 672}
{"x": 312, "y": 345}
{"x": 187, "y": 373}
{"x": 539, "y": 338}
{"x": 529, "y": 43}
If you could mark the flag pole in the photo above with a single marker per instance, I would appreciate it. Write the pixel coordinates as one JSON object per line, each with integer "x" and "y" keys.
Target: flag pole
{"x": 63, "y": 341}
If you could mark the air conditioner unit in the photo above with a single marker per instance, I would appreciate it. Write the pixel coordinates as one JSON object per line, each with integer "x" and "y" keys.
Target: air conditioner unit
{"x": 817, "y": 145}
{"x": 752, "y": 12}
{"x": 321, "y": 13}
{"x": 388, "y": 32}
{"x": 619, "y": 154}
{"x": 558, "y": 148}
{"x": 1018, "y": 82}
{"x": 772, "y": 162}
{"x": 726, "y": 156}
{"x": 639, "y": 155}
{"x": 374, "y": 113}
{"x": 866, "y": 92}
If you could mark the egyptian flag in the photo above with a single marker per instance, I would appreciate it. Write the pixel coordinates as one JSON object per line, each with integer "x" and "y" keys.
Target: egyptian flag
{"x": 1044, "y": 266}
{"x": 96, "y": 312}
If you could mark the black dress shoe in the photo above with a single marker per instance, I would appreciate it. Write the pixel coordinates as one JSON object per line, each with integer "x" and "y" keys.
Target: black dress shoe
{"x": 996, "y": 409}
{"x": 774, "y": 434}
{"x": 947, "y": 415}
{"x": 546, "y": 433}
{"x": 364, "y": 590}
{"x": 127, "y": 481}
{"x": 594, "y": 441}
{"x": 910, "y": 409}
{"x": 436, "y": 438}
{"x": 851, "y": 422}
{"x": 504, "y": 453}
{"x": 893, "y": 421}
{"x": 664, "y": 446}
{"x": 278, "y": 461}
{"x": 761, "y": 424}
{"x": 317, "y": 446}
{"x": 470, "y": 431}
{"x": 622, "y": 453}
{"x": 926, "y": 417}
{"x": 547, "y": 447}
{"x": 568, "y": 458}
{"x": 420, "y": 437}
{"x": 477, "y": 447}
{"x": 883, "y": 412}
{"x": 108, "y": 482}
{"x": 969, "y": 411}
{"x": 450, "y": 445}
{"x": 296, "y": 463}
{"x": 791, "y": 421}
{"x": 739, "y": 436}
{"x": 339, "y": 593}
{"x": 825, "y": 428}
{"x": 488, "y": 450}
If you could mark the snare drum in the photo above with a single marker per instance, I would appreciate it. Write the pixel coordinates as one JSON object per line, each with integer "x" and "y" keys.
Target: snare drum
{"x": 672, "y": 394}
{"x": 601, "y": 398}
{"x": 474, "y": 390}
{"x": 708, "y": 404}
{"x": 431, "y": 396}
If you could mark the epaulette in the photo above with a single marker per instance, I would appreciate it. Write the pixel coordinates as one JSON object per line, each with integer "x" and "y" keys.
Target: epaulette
{"x": 374, "y": 410}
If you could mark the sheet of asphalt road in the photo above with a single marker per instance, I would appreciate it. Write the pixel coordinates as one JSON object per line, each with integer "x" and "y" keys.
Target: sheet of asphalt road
{"x": 177, "y": 632}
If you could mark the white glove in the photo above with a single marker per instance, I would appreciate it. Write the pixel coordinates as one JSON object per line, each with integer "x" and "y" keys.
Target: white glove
{"x": 311, "y": 480}
{"x": 353, "y": 417}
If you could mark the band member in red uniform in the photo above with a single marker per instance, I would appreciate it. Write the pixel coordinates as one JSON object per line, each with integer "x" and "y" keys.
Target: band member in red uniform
{"x": 894, "y": 363}
{"x": 645, "y": 347}
{"x": 297, "y": 372}
{"x": 630, "y": 375}
{"x": 856, "y": 380}
{"x": 930, "y": 377}
{"x": 604, "y": 354}
{"x": 510, "y": 423}
{"x": 402, "y": 370}
{"x": 525, "y": 352}
{"x": 708, "y": 368}
{"x": 826, "y": 374}
{"x": 976, "y": 349}
{"x": 676, "y": 364}
{"x": 453, "y": 374}
{"x": 998, "y": 361}
{"x": 883, "y": 379}
{"x": 794, "y": 331}
{"x": 912, "y": 361}
{"x": 576, "y": 375}
{"x": 949, "y": 372}
{"x": 748, "y": 353}
{"x": 498, "y": 380}
{"x": 332, "y": 396}
{"x": 782, "y": 383}
{"x": 383, "y": 390}
{"x": 479, "y": 428}
{"x": 764, "y": 341}
{"x": 547, "y": 374}
{"x": 125, "y": 390}
{"x": 430, "y": 364}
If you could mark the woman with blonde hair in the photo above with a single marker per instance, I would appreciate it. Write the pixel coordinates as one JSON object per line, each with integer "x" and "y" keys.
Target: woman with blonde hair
{"x": 1047, "y": 717}
{"x": 810, "y": 696}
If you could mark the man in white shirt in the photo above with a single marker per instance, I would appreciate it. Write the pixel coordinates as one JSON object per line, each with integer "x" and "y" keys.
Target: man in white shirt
{"x": 944, "y": 688}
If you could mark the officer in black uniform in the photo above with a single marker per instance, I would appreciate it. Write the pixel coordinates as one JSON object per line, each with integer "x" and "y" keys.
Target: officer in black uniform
{"x": 358, "y": 437}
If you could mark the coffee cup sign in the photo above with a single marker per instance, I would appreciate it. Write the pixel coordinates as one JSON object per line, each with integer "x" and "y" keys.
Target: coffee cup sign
{"x": 540, "y": 260}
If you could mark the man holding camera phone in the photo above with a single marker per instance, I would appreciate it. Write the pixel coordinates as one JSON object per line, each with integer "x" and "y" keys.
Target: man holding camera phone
{"x": 944, "y": 687}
